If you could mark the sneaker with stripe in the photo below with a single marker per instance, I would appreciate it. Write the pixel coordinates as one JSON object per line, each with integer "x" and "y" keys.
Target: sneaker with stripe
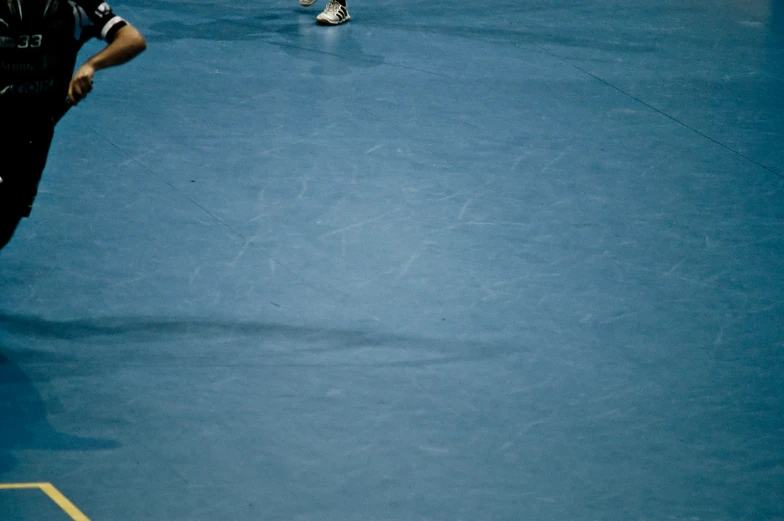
{"x": 334, "y": 14}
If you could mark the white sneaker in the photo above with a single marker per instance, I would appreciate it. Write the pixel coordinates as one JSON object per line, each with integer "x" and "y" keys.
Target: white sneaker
{"x": 307, "y": 3}
{"x": 334, "y": 14}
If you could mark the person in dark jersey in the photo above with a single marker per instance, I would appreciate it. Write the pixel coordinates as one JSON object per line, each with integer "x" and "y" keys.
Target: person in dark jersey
{"x": 335, "y": 13}
{"x": 39, "y": 43}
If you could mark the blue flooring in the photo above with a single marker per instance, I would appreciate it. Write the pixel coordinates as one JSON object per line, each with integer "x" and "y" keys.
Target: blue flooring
{"x": 449, "y": 261}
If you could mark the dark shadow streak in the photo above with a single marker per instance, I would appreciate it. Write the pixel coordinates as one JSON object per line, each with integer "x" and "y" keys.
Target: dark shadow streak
{"x": 416, "y": 352}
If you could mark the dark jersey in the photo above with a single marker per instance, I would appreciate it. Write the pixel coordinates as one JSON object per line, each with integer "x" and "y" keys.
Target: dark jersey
{"x": 39, "y": 43}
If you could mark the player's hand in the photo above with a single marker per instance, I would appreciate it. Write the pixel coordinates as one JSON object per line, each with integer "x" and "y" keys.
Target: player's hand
{"x": 81, "y": 83}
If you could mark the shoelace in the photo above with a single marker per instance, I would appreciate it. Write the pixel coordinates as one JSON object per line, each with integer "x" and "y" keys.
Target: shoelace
{"x": 333, "y": 7}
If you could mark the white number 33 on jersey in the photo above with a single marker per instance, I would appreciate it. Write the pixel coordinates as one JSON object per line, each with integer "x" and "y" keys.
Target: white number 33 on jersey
{"x": 33, "y": 41}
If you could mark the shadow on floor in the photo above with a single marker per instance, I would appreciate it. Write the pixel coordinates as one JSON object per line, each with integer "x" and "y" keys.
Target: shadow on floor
{"x": 198, "y": 341}
{"x": 23, "y": 419}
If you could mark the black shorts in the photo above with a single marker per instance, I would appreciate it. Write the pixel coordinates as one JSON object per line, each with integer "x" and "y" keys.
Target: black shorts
{"x": 22, "y": 161}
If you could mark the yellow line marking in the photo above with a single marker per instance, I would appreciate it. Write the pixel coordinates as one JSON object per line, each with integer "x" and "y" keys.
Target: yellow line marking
{"x": 54, "y": 494}
{"x": 68, "y": 507}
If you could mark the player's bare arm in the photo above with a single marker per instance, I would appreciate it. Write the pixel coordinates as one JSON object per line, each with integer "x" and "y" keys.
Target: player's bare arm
{"x": 127, "y": 43}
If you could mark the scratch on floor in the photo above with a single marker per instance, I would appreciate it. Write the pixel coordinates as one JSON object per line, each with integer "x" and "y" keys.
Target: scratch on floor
{"x": 451, "y": 196}
{"x": 518, "y": 161}
{"x": 240, "y": 253}
{"x": 719, "y": 337}
{"x": 464, "y": 208}
{"x": 137, "y": 158}
{"x": 252, "y": 98}
{"x": 436, "y": 450}
{"x": 557, "y": 159}
{"x": 675, "y": 267}
{"x": 407, "y": 265}
{"x": 359, "y": 224}
{"x": 194, "y": 275}
{"x": 304, "y": 187}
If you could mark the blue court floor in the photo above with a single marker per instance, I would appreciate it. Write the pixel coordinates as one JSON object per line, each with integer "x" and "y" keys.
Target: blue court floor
{"x": 487, "y": 261}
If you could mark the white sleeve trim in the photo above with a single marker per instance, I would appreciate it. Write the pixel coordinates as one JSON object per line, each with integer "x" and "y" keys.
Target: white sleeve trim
{"x": 108, "y": 26}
